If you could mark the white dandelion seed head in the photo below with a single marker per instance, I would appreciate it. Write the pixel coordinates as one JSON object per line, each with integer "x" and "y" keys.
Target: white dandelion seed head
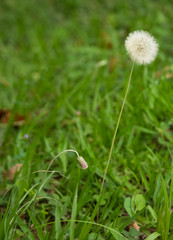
{"x": 141, "y": 47}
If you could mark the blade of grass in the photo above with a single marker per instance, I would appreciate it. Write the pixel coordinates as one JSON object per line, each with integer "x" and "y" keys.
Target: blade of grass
{"x": 153, "y": 236}
{"x": 58, "y": 223}
{"x": 74, "y": 213}
{"x": 25, "y": 229}
{"x": 40, "y": 232}
{"x": 80, "y": 221}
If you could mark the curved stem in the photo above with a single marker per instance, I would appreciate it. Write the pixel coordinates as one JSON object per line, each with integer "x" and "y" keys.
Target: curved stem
{"x": 116, "y": 129}
{"x": 43, "y": 181}
{"x": 68, "y": 150}
{"x": 77, "y": 221}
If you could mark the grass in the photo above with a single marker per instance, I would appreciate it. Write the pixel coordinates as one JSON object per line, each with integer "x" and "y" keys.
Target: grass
{"x": 64, "y": 69}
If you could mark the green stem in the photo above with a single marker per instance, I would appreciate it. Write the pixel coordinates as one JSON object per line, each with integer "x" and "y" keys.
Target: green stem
{"x": 68, "y": 150}
{"x": 116, "y": 129}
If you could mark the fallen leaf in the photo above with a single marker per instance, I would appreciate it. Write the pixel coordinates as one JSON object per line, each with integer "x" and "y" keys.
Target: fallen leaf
{"x": 19, "y": 120}
{"x": 78, "y": 113}
{"x": 169, "y": 75}
{"x": 135, "y": 225}
{"x": 167, "y": 71}
{"x": 4, "y": 82}
{"x": 107, "y": 43}
{"x": 5, "y": 116}
{"x": 112, "y": 64}
{"x": 10, "y": 174}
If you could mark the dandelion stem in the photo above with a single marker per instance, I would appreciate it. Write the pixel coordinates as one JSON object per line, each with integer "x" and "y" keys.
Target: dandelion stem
{"x": 116, "y": 129}
{"x": 68, "y": 150}
{"x": 44, "y": 180}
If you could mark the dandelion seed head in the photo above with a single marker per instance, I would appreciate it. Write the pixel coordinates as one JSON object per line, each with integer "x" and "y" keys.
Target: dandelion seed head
{"x": 141, "y": 47}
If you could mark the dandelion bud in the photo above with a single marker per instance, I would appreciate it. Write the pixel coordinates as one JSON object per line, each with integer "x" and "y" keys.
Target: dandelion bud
{"x": 82, "y": 163}
{"x": 141, "y": 47}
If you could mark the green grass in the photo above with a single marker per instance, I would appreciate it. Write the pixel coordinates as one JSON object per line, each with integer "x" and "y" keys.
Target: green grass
{"x": 64, "y": 67}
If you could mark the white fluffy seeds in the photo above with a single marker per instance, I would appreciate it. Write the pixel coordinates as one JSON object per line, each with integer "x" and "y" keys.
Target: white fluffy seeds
{"x": 141, "y": 47}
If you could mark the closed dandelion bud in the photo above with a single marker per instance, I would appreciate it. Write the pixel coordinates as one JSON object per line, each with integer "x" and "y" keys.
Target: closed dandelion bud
{"x": 141, "y": 47}
{"x": 82, "y": 163}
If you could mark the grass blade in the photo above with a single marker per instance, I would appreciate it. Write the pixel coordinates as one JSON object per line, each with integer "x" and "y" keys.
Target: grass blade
{"x": 73, "y": 215}
{"x": 57, "y": 222}
{"x": 153, "y": 236}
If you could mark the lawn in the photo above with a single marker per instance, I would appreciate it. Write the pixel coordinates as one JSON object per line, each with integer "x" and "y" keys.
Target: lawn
{"x": 63, "y": 76}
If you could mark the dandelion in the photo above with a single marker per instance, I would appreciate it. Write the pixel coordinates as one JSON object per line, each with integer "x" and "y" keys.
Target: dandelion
{"x": 82, "y": 163}
{"x": 142, "y": 49}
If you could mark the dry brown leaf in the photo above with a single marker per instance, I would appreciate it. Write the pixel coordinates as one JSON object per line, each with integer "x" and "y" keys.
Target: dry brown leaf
{"x": 12, "y": 171}
{"x": 4, "y": 82}
{"x": 135, "y": 225}
{"x": 169, "y": 75}
{"x": 19, "y": 120}
{"x": 106, "y": 40}
{"x": 78, "y": 113}
{"x": 112, "y": 64}
{"x": 5, "y": 116}
{"x": 167, "y": 71}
